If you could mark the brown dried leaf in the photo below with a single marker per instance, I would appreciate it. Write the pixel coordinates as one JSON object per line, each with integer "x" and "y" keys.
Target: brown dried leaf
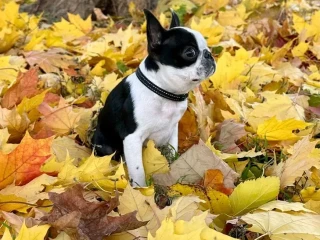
{"x": 88, "y": 220}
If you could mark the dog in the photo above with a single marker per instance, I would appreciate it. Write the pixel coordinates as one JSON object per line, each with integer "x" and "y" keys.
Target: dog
{"x": 148, "y": 104}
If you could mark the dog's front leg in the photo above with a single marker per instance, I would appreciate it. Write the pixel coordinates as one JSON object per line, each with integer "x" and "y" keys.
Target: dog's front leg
{"x": 173, "y": 141}
{"x": 132, "y": 146}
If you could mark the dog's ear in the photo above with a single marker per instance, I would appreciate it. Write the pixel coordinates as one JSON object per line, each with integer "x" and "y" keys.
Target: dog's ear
{"x": 154, "y": 30}
{"x": 175, "y": 22}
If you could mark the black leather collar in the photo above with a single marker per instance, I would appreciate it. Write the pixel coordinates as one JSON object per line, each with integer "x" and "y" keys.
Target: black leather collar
{"x": 161, "y": 92}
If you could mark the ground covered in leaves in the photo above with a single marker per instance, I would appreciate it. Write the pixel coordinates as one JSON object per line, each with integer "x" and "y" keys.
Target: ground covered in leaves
{"x": 248, "y": 161}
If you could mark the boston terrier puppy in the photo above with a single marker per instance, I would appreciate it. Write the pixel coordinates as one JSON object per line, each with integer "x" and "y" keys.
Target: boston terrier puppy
{"x": 149, "y": 103}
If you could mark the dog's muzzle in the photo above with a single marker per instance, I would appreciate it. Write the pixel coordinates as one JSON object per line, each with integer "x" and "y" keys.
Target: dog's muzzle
{"x": 208, "y": 63}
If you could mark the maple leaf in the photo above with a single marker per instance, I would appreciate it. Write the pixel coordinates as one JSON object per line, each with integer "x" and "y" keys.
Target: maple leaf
{"x": 275, "y": 130}
{"x": 304, "y": 156}
{"x": 35, "y": 233}
{"x": 210, "y": 29}
{"x": 30, "y": 193}
{"x": 25, "y": 86}
{"x": 23, "y": 163}
{"x": 9, "y": 68}
{"x": 213, "y": 178}
{"x": 61, "y": 120}
{"x": 278, "y": 225}
{"x": 50, "y": 61}
{"x": 153, "y": 161}
{"x": 15, "y": 123}
{"x": 88, "y": 220}
{"x": 191, "y": 166}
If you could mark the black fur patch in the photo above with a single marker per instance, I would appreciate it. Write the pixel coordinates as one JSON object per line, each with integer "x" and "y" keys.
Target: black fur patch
{"x": 174, "y": 42}
{"x": 115, "y": 122}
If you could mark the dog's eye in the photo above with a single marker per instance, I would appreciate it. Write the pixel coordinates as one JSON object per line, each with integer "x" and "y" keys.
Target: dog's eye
{"x": 190, "y": 52}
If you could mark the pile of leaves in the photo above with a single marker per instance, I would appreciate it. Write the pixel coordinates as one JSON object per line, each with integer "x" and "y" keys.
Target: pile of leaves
{"x": 248, "y": 165}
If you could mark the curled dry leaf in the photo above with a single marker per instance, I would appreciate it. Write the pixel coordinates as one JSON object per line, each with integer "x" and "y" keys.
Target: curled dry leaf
{"x": 88, "y": 220}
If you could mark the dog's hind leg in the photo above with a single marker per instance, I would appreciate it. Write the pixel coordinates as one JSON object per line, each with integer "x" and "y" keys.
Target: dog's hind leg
{"x": 100, "y": 146}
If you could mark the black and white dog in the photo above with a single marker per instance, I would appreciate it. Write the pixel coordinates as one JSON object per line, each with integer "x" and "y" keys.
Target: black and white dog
{"x": 149, "y": 103}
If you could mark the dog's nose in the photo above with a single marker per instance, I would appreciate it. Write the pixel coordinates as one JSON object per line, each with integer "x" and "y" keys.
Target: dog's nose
{"x": 206, "y": 54}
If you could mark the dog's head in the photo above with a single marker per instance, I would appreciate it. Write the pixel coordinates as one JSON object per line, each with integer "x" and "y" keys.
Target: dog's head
{"x": 178, "y": 57}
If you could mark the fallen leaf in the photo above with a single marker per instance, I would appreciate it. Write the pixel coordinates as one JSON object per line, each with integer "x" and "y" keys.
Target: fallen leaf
{"x": 213, "y": 178}
{"x": 278, "y": 225}
{"x": 88, "y": 220}
{"x": 195, "y": 229}
{"x": 32, "y": 191}
{"x": 313, "y": 206}
{"x": 285, "y": 206}
{"x": 215, "y": 201}
{"x": 188, "y": 133}
{"x": 228, "y": 133}
{"x": 153, "y": 161}
{"x": 253, "y": 193}
{"x": 49, "y": 61}
{"x": 23, "y": 163}
{"x": 34, "y": 233}
{"x": 147, "y": 210}
{"x": 25, "y": 86}
{"x": 191, "y": 166}
{"x": 62, "y": 119}
{"x": 275, "y": 130}
{"x": 17, "y": 124}
{"x": 304, "y": 156}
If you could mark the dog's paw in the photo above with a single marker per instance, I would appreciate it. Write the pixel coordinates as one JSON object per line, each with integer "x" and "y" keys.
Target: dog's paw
{"x": 138, "y": 184}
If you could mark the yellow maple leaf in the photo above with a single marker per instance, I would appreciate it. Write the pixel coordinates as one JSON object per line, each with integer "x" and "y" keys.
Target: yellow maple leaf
{"x": 279, "y": 225}
{"x": 300, "y": 49}
{"x": 275, "y": 130}
{"x": 153, "y": 161}
{"x": 253, "y": 193}
{"x": 84, "y": 25}
{"x": 4, "y": 137}
{"x": 34, "y": 233}
{"x": 211, "y": 30}
{"x": 94, "y": 170}
{"x": 67, "y": 30}
{"x": 29, "y": 105}
{"x": 9, "y": 68}
{"x": 281, "y": 106}
{"x": 224, "y": 78}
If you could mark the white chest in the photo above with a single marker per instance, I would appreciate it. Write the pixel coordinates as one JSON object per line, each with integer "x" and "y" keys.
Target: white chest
{"x": 156, "y": 117}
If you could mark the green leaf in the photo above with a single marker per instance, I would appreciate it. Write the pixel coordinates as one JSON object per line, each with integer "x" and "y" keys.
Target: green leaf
{"x": 253, "y": 193}
{"x": 314, "y": 100}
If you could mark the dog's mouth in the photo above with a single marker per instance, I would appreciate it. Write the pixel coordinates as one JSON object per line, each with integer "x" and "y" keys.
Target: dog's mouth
{"x": 195, "y": 80}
